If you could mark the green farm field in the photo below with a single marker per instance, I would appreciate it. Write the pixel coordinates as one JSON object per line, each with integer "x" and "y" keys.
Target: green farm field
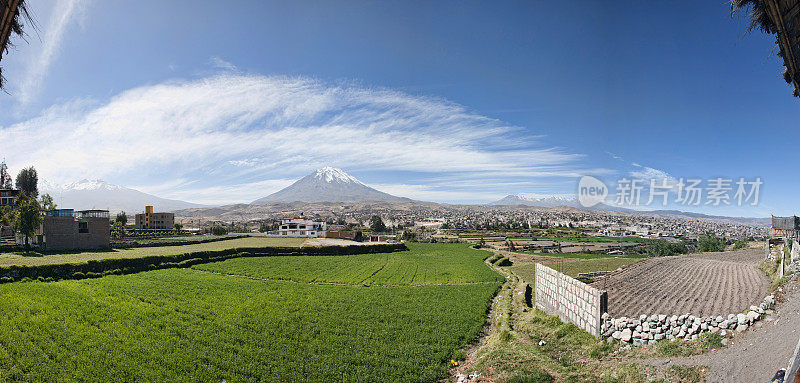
{"x": 187, "y": 239}
{"x": 525, "y": 270}
{"x": 19, "y": 258}
{"x": 193, "y": 325}
{"x": 423, "y": 264}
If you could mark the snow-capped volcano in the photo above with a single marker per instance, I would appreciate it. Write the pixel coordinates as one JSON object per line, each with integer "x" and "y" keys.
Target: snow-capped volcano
{"x": 328, "y": 184}
{"x": 329, "y": 174}
{"x": 99, "y": 194}
{"x": 86, "y": 184}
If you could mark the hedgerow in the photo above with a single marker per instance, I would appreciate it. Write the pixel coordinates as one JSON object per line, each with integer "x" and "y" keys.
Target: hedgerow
{"x": 94, "y": 268}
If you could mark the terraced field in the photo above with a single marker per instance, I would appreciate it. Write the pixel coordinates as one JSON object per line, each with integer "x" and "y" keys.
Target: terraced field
{"x": 424, "y": 264}
{"x": 193, "y": 325}
{"x": 700, "y": 284}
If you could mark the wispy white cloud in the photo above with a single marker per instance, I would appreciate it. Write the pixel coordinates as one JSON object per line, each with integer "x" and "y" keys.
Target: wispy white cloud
{"x": 219, "y": 63}
{"x": 648, "y": 173}
{"x": 63, "y": 14}
{"x": 230, "y": 131}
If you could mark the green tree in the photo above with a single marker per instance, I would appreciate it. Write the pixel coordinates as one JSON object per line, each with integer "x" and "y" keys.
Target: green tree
{"x": 5, "y": 179}
{"x": 409, "y": 236}
{"x": 178, "y": 226}
{"x": 46, "y": 202}
{"x": 121, "y": 218}
{"x": 376, "y": 224}
{"x": 219, "y": 230}
{"x": 740, "y": 243}
{"x": 664, "y": 248}
{"x": 26, "y": 217}
{"x": 709, "y": 242}
{"x": 118, "y": 230}
{"x": 28, "y": 181}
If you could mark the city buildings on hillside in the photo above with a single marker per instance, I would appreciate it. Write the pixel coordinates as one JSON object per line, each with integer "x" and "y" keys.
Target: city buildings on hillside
{"x": 300, "y": 227}
{"x": 8, "y": 197}
{"x": 66, "y": 229}
{"x": 150, "y": 220}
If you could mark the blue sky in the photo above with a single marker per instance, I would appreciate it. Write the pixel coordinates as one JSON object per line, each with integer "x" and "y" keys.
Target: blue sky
{"x": 443, "y": 101}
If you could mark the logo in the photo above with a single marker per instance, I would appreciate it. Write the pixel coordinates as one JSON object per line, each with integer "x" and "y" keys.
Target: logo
{"x": 591, "y": 191}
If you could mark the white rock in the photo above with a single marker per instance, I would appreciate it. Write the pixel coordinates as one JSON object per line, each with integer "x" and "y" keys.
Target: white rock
{"x": 741, "y": 318}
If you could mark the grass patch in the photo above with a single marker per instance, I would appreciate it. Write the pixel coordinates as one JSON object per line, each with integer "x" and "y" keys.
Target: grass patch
{"x": 586, "y": 256}
{"x": 574, "y": 268}
{"x": 424, "y": 263}
{"x": 535, "y": 376}
{"x": 525, "y": 270}
{"x": 685, "y": 374}
{"x": 707, "y": 342}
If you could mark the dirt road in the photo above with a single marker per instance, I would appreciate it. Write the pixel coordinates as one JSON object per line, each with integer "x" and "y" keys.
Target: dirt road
{"x": 756, "y": 354}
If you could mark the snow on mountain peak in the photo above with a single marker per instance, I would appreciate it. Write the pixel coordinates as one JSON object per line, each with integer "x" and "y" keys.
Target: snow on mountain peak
{"x": 540, "y": 198}
{"x": 330, "y": 174}
{"x": 86, "y": 184}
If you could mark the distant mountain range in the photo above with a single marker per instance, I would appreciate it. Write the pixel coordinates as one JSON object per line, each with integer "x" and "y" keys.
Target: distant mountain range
{"x": 328, "y": 184}
{"x": 552, "y": 201}
{"x": 98, "y": 194}
{"x": 569, "y": 201}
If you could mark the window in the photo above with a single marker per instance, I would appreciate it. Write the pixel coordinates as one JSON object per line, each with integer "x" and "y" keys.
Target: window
{"x": 83, "y": 227}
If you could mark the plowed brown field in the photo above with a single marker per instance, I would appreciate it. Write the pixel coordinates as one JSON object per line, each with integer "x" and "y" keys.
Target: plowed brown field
{"x": 700, "y": 284}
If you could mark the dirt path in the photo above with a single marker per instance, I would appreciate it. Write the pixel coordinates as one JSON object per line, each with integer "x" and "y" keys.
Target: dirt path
{"x": 755, "y": 355}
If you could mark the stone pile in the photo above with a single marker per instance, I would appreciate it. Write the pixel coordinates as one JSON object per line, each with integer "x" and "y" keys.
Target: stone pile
{"x": 649, "y": 329}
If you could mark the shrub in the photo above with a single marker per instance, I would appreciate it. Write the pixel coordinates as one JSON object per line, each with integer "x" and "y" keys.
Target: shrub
{"x": 506, "y": 336}
{"x": 459, "y": 355}
{"x": 504, "y": 262}
{"x": 6, "y": 279}
{"x": 78, "y": 275}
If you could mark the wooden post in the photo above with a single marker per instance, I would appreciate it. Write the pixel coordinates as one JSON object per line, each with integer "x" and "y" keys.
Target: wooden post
{"x": 783, "y": 259}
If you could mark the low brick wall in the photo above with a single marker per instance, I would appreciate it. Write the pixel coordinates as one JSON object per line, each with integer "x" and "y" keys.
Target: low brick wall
{"x": 570, "y": 299}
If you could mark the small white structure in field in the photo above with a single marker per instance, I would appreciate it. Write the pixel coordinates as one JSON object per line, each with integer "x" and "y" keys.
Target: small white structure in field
{"x": 300, "y": 227}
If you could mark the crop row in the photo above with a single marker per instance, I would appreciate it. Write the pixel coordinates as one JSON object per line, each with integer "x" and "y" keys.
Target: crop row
{"x": 423, "y": 264}
{"x": 182, "y": 325}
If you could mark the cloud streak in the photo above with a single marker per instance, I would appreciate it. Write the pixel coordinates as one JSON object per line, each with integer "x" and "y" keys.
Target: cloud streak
{"x": 64, "y": 12}
{"x": 233, "y": 131}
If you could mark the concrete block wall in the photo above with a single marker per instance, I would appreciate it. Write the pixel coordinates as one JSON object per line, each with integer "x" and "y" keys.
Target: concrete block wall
{"x": 570, "y": 299}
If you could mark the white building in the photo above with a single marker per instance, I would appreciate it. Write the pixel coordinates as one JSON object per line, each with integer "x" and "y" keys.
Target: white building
{"x": 300, "y": 227}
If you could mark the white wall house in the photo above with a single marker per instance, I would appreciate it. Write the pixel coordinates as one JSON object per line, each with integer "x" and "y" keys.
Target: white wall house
{"x": 300, "y": 227}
